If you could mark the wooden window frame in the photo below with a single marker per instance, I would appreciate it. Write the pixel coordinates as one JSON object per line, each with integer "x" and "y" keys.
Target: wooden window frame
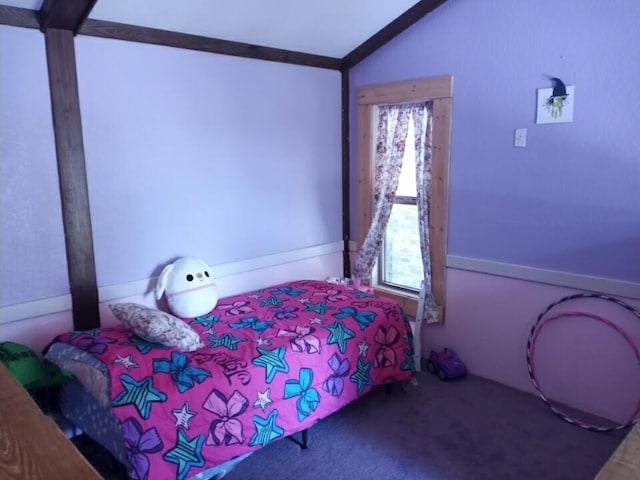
{"x": 438, "y": 90}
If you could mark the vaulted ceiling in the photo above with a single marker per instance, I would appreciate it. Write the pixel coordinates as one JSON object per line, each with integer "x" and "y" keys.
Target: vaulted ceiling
{"x": 332, "y": 28}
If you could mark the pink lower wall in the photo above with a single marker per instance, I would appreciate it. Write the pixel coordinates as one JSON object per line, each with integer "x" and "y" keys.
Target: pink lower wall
{"x": 579, "y": 361}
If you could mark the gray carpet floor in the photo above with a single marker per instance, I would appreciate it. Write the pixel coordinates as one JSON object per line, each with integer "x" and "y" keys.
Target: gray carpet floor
{"x": 469, "y": 428}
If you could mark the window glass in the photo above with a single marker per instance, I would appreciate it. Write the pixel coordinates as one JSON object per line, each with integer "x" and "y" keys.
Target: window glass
{"x": 401, "y": 249}
{"x": 407, "y": 182}
{"x": 400, "y": 254}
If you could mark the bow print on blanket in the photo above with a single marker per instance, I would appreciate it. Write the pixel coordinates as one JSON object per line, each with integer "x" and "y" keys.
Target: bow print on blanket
{"x": 275, "y": 361}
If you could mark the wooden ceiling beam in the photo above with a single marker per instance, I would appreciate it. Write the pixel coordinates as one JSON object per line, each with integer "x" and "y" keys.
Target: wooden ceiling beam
{"x": 61, "y": 14}
{"x": 65, "y": 14}
{"x": 121, "y": 31}
{"x": 18, "y": 17}
{"x": 399, "y": 25}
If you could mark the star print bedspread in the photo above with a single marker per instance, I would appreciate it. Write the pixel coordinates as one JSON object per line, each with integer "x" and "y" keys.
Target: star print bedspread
{"x": 275, "y": 361}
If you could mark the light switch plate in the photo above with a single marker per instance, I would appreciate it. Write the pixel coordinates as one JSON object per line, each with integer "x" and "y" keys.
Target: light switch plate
{"x": 520, "y": 138}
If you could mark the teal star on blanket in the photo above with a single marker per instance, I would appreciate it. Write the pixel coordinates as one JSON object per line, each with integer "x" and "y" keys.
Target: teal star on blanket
{"x": 227, "y": 341}
{"x": 186, "y": 453}
{"x": 143, "y": 346}
{"x": 206, "y": 320}
{"x": 266, "y": 429}
{"x": 340, "y": 335}
{"x": 140, "y": 394}
{"x": 320, "y": 308}
{"x": 362, "y": 376}
{"x": 272, "y": 360}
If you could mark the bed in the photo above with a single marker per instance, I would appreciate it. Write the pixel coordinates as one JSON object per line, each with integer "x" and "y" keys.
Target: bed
{"x": 275, "y": 361}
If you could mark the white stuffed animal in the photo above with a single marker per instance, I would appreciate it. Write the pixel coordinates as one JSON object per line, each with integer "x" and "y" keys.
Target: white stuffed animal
{"x": 189, "y": 287}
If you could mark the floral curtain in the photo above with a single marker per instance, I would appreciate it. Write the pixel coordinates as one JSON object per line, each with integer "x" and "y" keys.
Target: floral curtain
{"x": 392, "y": 126}
{"x": 422, "y": 118}
{"x": 393, "y": 121}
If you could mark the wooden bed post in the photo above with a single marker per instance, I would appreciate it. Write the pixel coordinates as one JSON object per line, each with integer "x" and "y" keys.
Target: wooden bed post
{"x": 60, "y": 20}
{"x": 65, "y": 108}
{"x": 346, "y": 204}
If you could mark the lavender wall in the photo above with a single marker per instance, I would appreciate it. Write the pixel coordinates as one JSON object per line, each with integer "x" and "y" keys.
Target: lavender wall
{"x": 187, "y": 153}
{"x": 32, "y": 252}
{"x": 190, "y": 153}
{"x": 569, "y": 201}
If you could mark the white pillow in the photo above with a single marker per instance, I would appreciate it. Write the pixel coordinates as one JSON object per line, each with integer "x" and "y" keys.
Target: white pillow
{"x": 157, "y": 326}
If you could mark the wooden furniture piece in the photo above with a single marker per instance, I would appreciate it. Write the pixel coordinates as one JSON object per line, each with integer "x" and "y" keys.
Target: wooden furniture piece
{"x": 32, "y": 447}
{"x": 624, "y": 464}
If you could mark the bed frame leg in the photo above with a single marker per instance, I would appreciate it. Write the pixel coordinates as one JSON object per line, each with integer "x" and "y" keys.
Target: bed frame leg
{"x": 304, "y": 443}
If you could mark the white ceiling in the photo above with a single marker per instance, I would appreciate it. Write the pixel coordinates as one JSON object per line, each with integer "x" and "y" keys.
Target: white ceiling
{"x": 322, "y": 27}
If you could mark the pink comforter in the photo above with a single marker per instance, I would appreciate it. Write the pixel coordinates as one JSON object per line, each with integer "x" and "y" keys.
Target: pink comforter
{"x": 275, "y": 362}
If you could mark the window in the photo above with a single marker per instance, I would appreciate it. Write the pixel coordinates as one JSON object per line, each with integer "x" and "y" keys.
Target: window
{"x": 392, "y": 278}
{"x": 400, "y": 264}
